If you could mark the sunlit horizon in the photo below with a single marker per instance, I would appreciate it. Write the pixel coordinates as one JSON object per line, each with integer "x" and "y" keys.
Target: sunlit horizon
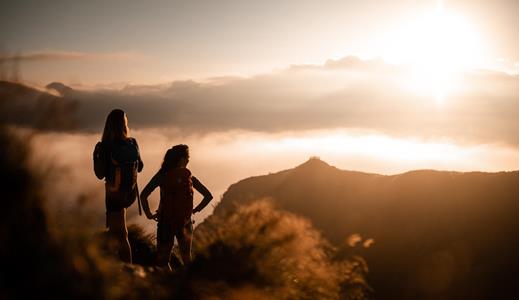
{"x": 406, "y": 75}
{"x": 436, "y": 40}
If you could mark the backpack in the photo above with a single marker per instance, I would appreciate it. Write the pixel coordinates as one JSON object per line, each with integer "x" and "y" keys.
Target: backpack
{"x": 176, "y": 203}
{"x": 100, "y": 160}
{"x": 119, "y": 163}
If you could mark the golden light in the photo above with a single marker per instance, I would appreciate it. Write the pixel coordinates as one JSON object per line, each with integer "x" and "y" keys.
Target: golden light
{"x": 435, "y": 48}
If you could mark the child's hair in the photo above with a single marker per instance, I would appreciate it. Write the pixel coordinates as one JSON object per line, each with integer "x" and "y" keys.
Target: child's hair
{"x": 173, "y": 156}
{"x": 116, "y": 127}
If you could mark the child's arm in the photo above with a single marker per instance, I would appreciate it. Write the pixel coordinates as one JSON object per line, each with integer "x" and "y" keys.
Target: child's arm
{"x": 197, "y": 185}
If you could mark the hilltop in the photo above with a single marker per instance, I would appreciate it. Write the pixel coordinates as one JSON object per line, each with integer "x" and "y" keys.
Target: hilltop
{"x": 22, "y": 105}
{"x": 435, "y": 234}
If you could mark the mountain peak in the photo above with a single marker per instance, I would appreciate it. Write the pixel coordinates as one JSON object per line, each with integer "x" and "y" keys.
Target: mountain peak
{"x": 313, "y": 163}
{"x": 59, "y": 87}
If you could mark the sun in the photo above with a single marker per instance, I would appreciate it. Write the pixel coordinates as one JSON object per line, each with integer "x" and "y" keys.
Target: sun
{"x": 435, "y": 48}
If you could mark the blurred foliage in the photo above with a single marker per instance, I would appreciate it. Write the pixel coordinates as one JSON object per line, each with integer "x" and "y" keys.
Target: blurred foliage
{"x": 271, "y": 253}
{"x": 256, "y": 252}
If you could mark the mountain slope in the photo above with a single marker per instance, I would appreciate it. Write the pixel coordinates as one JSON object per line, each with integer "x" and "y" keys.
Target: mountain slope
{"x": 437, "y": 235}
{"x": 22, "y": 105}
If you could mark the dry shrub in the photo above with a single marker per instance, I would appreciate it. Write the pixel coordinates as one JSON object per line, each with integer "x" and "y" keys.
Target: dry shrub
{"x": 259, "y": 252}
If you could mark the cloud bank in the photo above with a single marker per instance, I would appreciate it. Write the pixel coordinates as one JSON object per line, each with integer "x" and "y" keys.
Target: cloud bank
{"x": 54, "y": 55}
{"x": 349, "y": 93}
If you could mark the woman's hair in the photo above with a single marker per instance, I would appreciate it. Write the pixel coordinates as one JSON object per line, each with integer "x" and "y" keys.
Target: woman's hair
{"x": 173, "y": 156}
{"x": 116, "y": 127}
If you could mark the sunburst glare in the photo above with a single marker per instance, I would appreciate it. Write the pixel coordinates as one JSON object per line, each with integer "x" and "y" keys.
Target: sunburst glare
{"x": 436, "y": 48}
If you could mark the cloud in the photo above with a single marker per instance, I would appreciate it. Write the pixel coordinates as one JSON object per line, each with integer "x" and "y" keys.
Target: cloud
{"x": 53, "y": 55}
{"x": 347, "y": 63}
{"x": 348, "y": 93}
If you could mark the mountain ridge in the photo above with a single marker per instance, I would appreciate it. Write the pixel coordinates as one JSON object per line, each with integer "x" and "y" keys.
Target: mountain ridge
{"x": 22, "y": 105}
{"x": 414, "y": 218}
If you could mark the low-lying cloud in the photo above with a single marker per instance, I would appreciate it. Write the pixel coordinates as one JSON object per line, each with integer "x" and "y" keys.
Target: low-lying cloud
{"x": 479, "y": 107}
{"x": 347, "y": 93}
{"x": 220, "y": 159}
{"x": 55, "y": 55}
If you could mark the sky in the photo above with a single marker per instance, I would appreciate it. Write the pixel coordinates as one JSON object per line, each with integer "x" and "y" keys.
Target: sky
{"x": 102, "y": 42}
{"x": 255, "y": 87}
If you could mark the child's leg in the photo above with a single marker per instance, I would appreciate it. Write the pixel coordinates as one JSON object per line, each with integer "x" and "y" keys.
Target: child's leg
{"x": 164, "y": 244}
{"x": 185, "y": 239}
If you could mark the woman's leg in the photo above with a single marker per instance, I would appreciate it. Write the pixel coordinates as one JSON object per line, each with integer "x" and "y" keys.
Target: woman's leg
{"x": 116, "y": 222}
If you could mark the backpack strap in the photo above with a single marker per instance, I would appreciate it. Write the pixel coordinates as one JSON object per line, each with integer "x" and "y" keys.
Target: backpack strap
{"x": 138, "y": 199}
{"x": 140, "y": 165}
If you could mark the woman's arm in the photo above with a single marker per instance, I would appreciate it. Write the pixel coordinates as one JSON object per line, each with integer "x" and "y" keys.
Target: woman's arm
{"x": 148, "y": 189}
{"x": 197, "y": 185}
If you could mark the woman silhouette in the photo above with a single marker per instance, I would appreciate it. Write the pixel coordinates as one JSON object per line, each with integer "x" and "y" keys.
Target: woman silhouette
{"x": 117, "y": 160}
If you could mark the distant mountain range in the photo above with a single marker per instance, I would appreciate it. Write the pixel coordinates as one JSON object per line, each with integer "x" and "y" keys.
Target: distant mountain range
{"x": 426, "y": 234}
{"x": 22, "y": 105}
